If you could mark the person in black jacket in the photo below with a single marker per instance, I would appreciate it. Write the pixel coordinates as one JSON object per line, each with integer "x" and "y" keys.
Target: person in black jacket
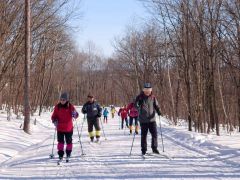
{"x": 147, "y": 105}
{"x": 94, "y": 112}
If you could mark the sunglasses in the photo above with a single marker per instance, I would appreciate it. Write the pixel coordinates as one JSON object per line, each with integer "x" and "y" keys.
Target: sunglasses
{"x": 62, "y": 99}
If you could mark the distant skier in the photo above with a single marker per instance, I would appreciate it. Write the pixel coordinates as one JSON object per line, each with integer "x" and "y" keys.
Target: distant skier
{"x": 113, "y": 111}
{"x": 93, "y": 111}
{"x": 148, "y": 106}
{"x": 123, "y": 113}
{"x": 133, "y": 115}
{"x": 62, "y": 116}
{"x": 105, "y": 115}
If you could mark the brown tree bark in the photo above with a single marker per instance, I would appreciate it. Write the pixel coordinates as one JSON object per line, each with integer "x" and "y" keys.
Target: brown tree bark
{"x": 26, "y": 126}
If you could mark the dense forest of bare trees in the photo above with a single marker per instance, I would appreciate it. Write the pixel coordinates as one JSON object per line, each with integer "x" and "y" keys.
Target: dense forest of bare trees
{"x": 191, "y": 54}
{"x": 189, "y": 51}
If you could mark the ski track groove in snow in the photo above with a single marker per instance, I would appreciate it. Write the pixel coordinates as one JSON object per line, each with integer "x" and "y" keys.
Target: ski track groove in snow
{"x": 12, "y": 162}
{"x": 199, "y": 151}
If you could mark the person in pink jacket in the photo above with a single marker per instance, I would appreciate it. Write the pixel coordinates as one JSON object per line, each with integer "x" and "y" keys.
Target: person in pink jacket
{"x": 62, "y": 118}
{"x": 123, "y": 113}
{"x": 133, "y": 115}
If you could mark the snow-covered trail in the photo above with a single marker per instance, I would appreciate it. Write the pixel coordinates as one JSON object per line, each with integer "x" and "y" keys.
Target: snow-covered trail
{"x": 111, "y": 160}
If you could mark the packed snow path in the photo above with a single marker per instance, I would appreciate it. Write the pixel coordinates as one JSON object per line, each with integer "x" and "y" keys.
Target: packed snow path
{"x": 111, "y": 160}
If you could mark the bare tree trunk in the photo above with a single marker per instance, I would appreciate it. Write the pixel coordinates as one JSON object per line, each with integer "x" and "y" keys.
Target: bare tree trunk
{"x": 177, "y": 99}
{"x": 172, "y": 98}
{"x": 221, "y": 95}
{"x": 238, "y": 86}
{"x": 189, "y": 107}
{"x": 1, "y": 100}
{"x": 238, "y": 92}
{"x": 26, "y": 126}
{"x": 188, "y": 71}
{"x": 44, "y": 95}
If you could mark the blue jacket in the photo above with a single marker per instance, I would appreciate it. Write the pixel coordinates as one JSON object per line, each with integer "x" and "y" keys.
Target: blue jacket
{"x": 105, "y": 112}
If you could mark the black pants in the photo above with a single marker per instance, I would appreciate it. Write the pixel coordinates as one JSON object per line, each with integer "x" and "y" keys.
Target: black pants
{"x": 105, "y": 119}
{"x": 95, "y": 123}
{"x": 126, "y": 121}
{"x": 131, "y": 121}
{"x": 152, "y": 127}
{"x": 62, "y": 137}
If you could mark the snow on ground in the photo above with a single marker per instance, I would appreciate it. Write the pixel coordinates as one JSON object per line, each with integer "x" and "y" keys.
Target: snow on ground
{"x": 192, "y": 155}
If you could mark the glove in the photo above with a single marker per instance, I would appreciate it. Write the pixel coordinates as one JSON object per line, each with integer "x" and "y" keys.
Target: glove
{"x": 159, "y": 113}
{"x": 139, "y": 103}
{"x": 75, "y": 114}
{"x": 84, "y": 110}
{"x": 55, "y": 122}
{"x": 99, "y": 115}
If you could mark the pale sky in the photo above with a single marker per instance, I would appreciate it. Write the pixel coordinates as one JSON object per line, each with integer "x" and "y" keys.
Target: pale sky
{"x": 103, "y": 20}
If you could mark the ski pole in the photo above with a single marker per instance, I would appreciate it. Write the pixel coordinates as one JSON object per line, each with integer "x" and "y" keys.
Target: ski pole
{"x": 79, "y": 138}
{"x": 134, "y": 132}
{"x": 132, "y": 143}
{"x": 82, "y": 125}
{"x": 161, "y": 133}
{"x": 125, "y": 129}
{"x": 126, "y": 126}
{"x": 103, "y": 129}
{"x": 52, "y": 155}
{"x": 119, "y": 122}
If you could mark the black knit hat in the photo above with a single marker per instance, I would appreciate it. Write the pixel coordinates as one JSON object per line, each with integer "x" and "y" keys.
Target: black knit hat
{"x": 64, "y": 96}
{"x": 90, "y": 95}
{"x": 147, "y": 85}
